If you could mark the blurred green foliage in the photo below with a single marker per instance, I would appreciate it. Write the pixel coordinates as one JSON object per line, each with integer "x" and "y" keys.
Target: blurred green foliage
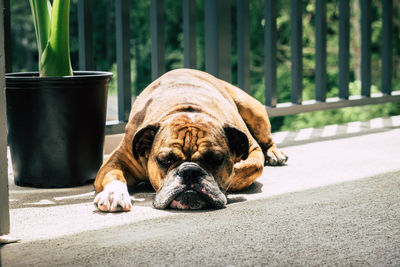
{"x": 24, "y": 51}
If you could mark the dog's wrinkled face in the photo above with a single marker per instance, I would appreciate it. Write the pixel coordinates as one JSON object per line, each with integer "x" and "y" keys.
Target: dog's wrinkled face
{"x": 190, "y": 159}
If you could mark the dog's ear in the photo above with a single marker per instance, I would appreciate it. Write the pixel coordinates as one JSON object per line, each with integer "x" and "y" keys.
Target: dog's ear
{"x": 143, "y": 140}
{"x": 237, "y": 141}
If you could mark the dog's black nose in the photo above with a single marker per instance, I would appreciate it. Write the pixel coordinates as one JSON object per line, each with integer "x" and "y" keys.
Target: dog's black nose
{"x": 190, "y": 173}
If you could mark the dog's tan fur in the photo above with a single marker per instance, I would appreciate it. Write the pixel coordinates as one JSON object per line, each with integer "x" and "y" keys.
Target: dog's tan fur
{"x": 184, "y": 90}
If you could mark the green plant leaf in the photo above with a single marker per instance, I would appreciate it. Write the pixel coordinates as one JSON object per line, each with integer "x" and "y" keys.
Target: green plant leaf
{"x": 41, "y": 14}
{"x": 55, "y": 60}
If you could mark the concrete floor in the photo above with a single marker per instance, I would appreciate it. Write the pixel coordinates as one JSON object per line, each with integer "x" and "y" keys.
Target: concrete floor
{"x": 337, "y": 202}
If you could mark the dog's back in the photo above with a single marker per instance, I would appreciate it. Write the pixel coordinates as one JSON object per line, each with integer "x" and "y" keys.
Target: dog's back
{"x": 174, "y": 91}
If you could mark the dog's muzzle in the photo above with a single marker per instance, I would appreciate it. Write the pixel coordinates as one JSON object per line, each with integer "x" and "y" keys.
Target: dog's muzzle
{"x": 189, "y": 187}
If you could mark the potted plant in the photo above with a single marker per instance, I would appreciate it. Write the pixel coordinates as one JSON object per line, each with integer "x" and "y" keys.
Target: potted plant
{"x": 55, "y": 117}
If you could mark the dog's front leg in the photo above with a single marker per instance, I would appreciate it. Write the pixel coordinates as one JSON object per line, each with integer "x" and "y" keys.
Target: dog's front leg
{"x": 111, "y": 181}
{"x": 114, "y": 195}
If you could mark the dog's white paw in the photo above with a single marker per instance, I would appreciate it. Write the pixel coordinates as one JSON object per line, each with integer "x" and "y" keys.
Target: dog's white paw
{"x": 114, "y": 197}
{"x": 275, "y": 156}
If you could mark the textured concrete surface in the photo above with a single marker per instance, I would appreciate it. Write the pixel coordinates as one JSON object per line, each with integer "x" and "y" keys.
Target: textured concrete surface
{"x": 337, "y": 202}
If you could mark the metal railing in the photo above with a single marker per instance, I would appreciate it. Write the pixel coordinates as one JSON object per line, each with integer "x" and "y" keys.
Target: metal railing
{"x": 217, "y": 24}
{"x": 343, "y": 100}
{"x": 217, "y": 19}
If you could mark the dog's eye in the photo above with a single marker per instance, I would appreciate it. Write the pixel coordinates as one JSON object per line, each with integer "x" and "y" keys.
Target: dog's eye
{"x": 165, "y": 163}
{"x": 213, "y": 160}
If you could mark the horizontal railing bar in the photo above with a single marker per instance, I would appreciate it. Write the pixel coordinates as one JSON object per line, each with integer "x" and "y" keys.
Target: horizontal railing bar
{"x": 115, "y": 127}
{"x": 284, "y": 109}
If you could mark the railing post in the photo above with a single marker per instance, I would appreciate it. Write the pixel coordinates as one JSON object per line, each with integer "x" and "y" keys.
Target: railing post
{"x": 270, "y": 53}
{"x": 218, "y": 38}
{"x": 123, "y": 59}
{"x": 387, "y": 17}
{"x": 7, "y": 35}
{"x": 157, "y": 38}
{"x": 4, "y": 209}
{"x": 189, "y": 34}
{"x": 296, "y": 51}
{"x": 243, "y": 44}
{"x": 85, "y": 35}
{"x": 366, "y": 48}
{"x": 320, "y": 50}
{"x": 344, "y": 44}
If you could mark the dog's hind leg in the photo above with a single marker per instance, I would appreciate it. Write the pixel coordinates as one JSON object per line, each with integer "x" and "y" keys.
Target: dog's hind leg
{"x": 256, "y": 118}
{"x": 247, "y": 171}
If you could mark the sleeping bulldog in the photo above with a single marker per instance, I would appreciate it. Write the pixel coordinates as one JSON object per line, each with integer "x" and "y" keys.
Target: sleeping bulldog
{"x": 194, "y": 137}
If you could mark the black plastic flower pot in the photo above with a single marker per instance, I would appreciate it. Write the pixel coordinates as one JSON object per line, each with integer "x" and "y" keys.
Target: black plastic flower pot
{"x": 56, "y": 127}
